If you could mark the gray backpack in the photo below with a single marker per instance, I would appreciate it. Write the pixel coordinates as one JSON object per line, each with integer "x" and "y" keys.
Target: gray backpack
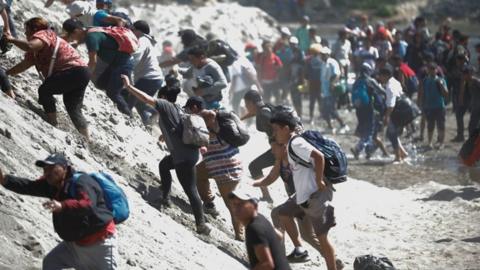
{"x": 195, "y": 130}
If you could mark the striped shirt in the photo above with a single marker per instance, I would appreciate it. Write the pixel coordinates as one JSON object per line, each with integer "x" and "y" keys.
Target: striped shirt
{"x": 223, "y": 161}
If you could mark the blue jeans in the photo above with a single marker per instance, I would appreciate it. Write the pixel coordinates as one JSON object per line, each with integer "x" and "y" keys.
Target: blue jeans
{"x": 149, "y": 87}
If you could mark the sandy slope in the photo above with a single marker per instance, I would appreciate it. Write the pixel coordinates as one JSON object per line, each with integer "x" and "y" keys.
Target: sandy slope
{"x": 376, "y": 220}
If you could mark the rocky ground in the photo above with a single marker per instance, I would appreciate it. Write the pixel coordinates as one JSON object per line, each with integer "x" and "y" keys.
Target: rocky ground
{"x": 416, "y": 214}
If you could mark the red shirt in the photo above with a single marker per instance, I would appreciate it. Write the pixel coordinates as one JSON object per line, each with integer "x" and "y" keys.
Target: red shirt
{"x": 406, "y": 70}
{"x": 67, "y": 56}
{"x": 268, "y": 66}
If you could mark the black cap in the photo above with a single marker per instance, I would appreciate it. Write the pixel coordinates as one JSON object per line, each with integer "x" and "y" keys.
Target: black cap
{"x": 53, "y": 159}
{"x": 71, "y": 25}
{"x": 142, "y": 26}
{"x": 195, "y": 101}
{"x": 253, "y": 96}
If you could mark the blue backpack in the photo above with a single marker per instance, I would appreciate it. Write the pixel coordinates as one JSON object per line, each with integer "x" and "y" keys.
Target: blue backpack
{"x": 115, "y": 198}
{"x": 360, "y": 95}
{"x": 335, "y": 159}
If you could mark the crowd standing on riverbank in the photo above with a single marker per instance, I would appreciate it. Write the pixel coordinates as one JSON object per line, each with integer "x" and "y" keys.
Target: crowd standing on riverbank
{"x": 398, "y": 75}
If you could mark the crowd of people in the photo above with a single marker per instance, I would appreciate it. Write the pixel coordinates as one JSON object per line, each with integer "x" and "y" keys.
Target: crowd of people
{"x": 392, "y": 70}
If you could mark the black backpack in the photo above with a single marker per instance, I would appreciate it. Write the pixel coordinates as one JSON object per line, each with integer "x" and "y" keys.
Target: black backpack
{"x": 219, "y": 47}
{"x": 404, "y": 112}
{"x": 123, "y": 16}
{"x": 232, "y": 130}
{"x": 335, "y": 159}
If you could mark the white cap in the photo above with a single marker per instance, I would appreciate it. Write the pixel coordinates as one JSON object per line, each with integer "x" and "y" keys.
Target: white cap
{"x": 284, "y": 30}
{"x": 293, "y": 40}
{"x": 78, "y": 8}
{"x": 244, "y": 193}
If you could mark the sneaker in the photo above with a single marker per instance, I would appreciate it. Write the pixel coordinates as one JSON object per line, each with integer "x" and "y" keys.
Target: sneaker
{"x": 298, "y": 257}
{"x": 209, "y": 208}
{"x": 204, "y": 229}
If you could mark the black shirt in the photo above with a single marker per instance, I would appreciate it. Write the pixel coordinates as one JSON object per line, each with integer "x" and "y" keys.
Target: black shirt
{"x": 261, "y": 232}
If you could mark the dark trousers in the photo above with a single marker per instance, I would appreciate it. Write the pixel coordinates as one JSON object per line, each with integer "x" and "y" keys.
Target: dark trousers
{"x": 186, "y": 176}
{"x": 13, "y": 30}
{"x": 459, "y": 114}
{"x": 263, "y": 161}
{"x": 111, "y": 82}
{"x": 315, "y": 96}
{"x": 4, "y": 82}
{"x": 70, "y": 83}
{"x": 149, "y": 87}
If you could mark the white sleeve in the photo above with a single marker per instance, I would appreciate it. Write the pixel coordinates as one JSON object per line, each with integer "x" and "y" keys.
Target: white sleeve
{"x": 302, "y": 148}
{"x": 390, "y": 99}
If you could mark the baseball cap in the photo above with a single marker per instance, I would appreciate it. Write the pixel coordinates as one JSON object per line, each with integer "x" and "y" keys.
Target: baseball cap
{"x": 53, "y": 159}
{"x": 71, "y": 25}
{"x": 195, "y": 101}
{"x": 244, "y": 193}
{"x": 293, "y": 40}
{"x": 78, "y": 8}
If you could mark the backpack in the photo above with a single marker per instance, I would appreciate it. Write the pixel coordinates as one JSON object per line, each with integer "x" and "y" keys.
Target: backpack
{"x": 340, "y": 88}
{"x": 194, "y": 130}
{"x": 335, "y": 159}
{"x": 411, "y": 84}
{"x": 404, "y": 112}
{"x": 219, "y": 47}
{"x": 232, "y": 130}
{"x": 360, "y": 96}
{"x": 115, "y": 198}
{"x": 125, "y": 38}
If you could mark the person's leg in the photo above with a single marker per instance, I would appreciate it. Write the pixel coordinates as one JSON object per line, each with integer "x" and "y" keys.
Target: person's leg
{"x": 327, "y": 251}
{"x": 53, "y": 85}
{"x": 102, "y": 255}
{"x": 459, "y": 113}
{"x": 186, "y": 175}
{"x": 225, "y": 189}
{"x": 441, "y": 119}
{"x": 5, "y": 85}
{"x": 267, "y": 92}
{"x": 313, "y": 98}
{"x": 296, "y": 99}
{"x": 150, "y": 87}
{"x": 203, "y": 183}
{"x": 474, "y": 121}
{"x": 325, "y": 111}
{"x": 392, "y": 136}
{"x": 430, "y": 119}
{"x": 73, "y": 98}
{"x": 61, "y": 257}
{"x": 256, "y": 170}
{"x": 11, "y": 23}
{"x": 115, "y": 86}
{"x": 307, "y": 233}
{"x": 165, "y": 165}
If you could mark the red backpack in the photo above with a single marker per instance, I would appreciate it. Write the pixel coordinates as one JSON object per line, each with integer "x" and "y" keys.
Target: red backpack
{"x": 125, "y": 38}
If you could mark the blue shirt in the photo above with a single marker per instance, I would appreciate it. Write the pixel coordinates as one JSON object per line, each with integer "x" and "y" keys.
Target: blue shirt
{"x": 432, "y": 93}
{"x": 99, "y": 17}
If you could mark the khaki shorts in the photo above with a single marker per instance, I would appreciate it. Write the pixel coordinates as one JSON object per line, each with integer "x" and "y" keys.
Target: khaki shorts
{"x": 317, "y": 208}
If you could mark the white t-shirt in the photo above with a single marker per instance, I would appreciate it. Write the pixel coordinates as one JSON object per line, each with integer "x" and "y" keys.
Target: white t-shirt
{"x": 238, "y": 72}
{"x": 393, "y": 89}
{"x": 303, "y": 177}
{"x": 342, "y": 51}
